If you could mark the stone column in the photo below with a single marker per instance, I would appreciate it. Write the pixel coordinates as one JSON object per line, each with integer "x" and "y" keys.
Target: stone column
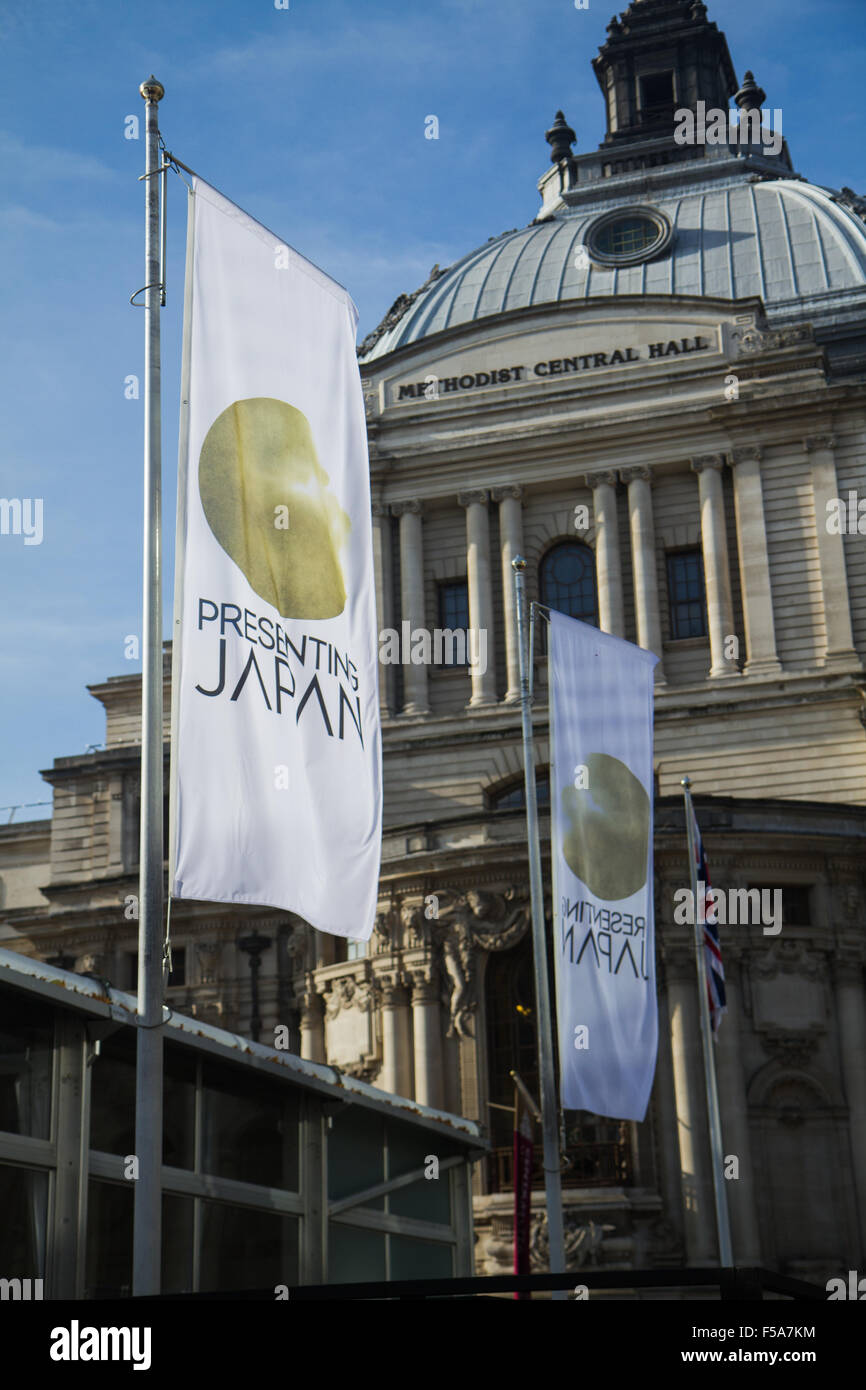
{"x": 427, "y": 1037}
{"x": 412, "y": 601}
{"x": 839, "y": 640}
{"x": 396, "y": 1074}
{"x": 312, "y": 1024}
{"x": 608, "y": 570}
{"x": 851, "y": 1010}
{"x": 643, "y": 559}
{"x": 511, "y": 544}
{"x": 745, "y": 1232}
{"x": 717, "y": 575}
{"x": 761, "y": 657}
{"x": 696, "y": 1174}
{"x": 480, "y": 596}
{"x": 383, "y": 570}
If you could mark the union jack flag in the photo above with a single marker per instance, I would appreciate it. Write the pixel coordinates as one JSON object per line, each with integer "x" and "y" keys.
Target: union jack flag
{"x": 707, "y": 914}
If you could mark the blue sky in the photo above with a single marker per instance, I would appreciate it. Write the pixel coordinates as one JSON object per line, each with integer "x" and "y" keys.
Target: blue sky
{"x": 312, "y": 118}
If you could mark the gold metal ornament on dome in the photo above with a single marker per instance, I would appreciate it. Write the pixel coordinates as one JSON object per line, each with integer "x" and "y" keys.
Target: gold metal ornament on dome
{"x": 267, "y": 501}
{"x": 607, "y": 836}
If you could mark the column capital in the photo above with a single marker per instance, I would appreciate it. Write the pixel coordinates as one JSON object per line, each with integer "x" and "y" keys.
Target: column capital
{"x": 703, "y": 461}
{"x": 425, "y": 985}
{"x": 604, "y": 476}
{"x": 500, "y": 494}
{"x": 815, "y": 442}
{"x": 746, "y": 453}
{"x": 634, "y": 475}
{"x": 466, "y": 499}
{"x": 412, "y": 505}
{"x": 380, "y": 508}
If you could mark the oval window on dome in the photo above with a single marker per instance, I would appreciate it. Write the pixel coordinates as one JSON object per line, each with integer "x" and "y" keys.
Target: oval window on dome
{"x": 628, "y": 236}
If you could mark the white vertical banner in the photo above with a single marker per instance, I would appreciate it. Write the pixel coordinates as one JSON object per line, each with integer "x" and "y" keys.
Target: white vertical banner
{"x": 276, "y": 747}
{"x": 601, "y": 799}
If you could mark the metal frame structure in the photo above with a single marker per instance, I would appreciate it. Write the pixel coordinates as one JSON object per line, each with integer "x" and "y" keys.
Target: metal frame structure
{"x": 87, "y": 1012}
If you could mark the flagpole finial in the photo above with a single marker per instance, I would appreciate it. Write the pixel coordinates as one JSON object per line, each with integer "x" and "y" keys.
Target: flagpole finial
{"x": 518, "y": 563}
{"x": 152, "y": 90}
{"x": 686, "y": 782}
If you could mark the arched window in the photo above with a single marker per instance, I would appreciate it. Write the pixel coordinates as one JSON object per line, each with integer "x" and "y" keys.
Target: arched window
{"x": 566, "y": 581}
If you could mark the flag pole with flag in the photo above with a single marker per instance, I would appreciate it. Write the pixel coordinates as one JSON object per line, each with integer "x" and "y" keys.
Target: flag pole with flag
{"x": 276, "y": 764}
{"x": 711, "y": 991}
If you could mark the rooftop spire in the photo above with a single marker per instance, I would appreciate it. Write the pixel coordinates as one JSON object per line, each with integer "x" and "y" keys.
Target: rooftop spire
{"x": 750, "y": 97}
{"x": 560, "y": 138}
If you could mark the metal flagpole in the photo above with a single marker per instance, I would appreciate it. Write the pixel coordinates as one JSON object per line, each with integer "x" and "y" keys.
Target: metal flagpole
{"x": 726, "y": 1257}
{"x": 549, "y": 1109}
{"x": 148, "y": 1081}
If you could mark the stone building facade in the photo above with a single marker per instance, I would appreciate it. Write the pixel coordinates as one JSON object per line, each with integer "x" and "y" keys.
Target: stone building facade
{"x": 654, "y": 392}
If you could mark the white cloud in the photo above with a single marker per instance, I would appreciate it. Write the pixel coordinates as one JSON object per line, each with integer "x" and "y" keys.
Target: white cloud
{"x": 47, "y": 163}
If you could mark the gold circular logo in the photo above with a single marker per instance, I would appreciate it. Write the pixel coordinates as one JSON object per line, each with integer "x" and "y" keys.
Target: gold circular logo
{"x": 267, "y": 501}
{"x": 606, "y": 829}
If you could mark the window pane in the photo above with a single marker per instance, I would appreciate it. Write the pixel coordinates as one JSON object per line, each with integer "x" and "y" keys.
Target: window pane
{"x": 112, "y": 1096}
{"x": 627, "y": 236}
{"x": 109, "y": 1240}
{"x": 177, "y": 1238}
{"x": 567, "y": 581}
{"x": 178, "y": 1136}
{"x": 354, "y": 1255}
{"x": 356, "y": 1154}
{"x": 686, "y": 594}
{"x": 26, "y": 1037}
{"x": 429, "y": 1198}
{"x": 454, "y": 617}
{"x": 420, "y": 1259}
{"x": 246, "y": 1249}
{"x": 24, "y": 1207}
{"x": 249, "y": 1129}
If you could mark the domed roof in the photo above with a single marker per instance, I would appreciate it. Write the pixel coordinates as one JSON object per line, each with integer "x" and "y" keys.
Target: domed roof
{"x": 797, "y": 247}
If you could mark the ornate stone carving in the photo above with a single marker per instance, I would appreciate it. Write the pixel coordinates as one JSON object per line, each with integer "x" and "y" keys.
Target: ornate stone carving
{"x": 753, "y": 340}
{"x": 348, "y": 993}
{"x": 383, "y": 932}
{"x": 582, "y": 1240}
{"x": 466, "y": 499}
{"x": 788, "y": 957}
{"x": 746, "y": 453}
{"x": 489, "y": 921}
{"x": 413, "y": 923}
{"x": 714, "y": 461}
{"x": 412, "y": 504}
{"x": 397, "y": 310}
{"x": 500, "y": 494}
{"x": 606, "y": 476}
{"x": 853, "y": 201}
{"x": 637, "y": 474}
{"x": 815, "y": 442}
